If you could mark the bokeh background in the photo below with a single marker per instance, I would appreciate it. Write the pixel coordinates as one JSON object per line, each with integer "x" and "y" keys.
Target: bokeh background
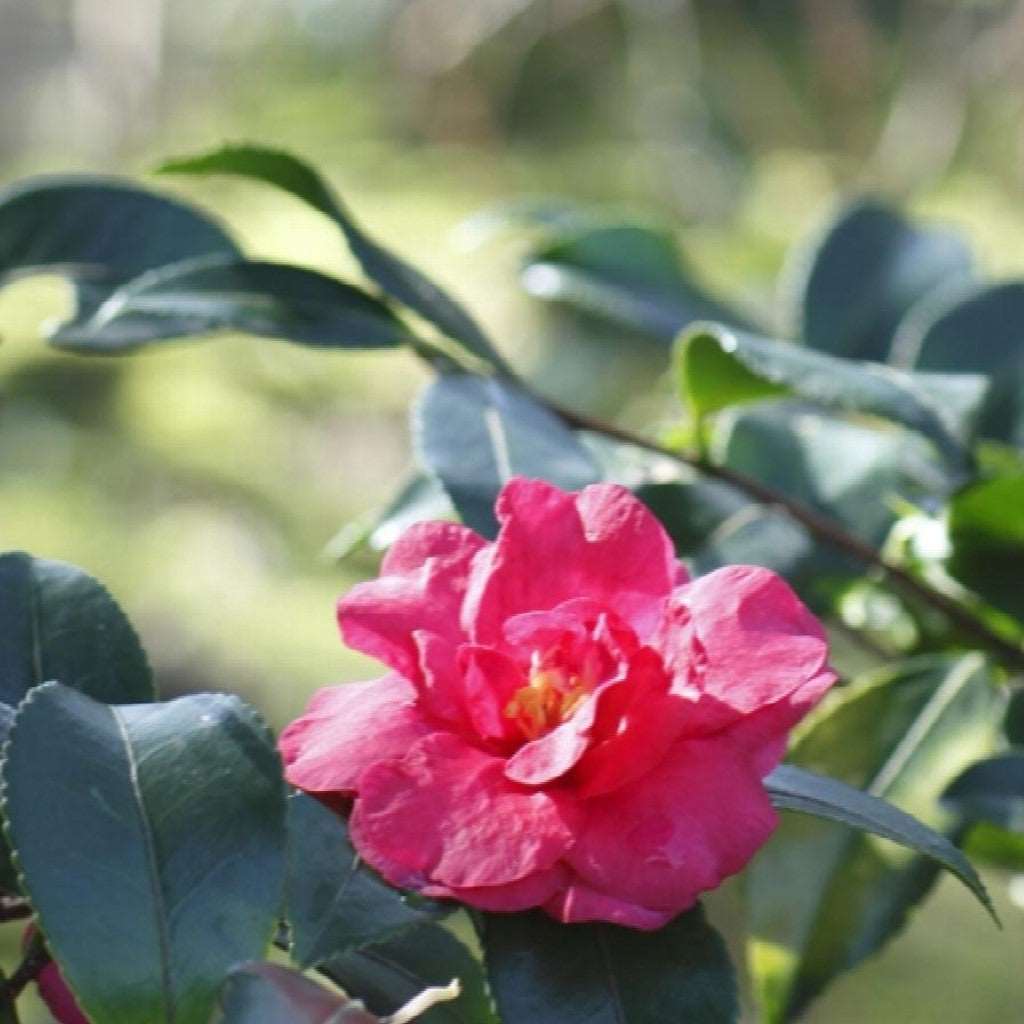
{"x": 204, "y": 483}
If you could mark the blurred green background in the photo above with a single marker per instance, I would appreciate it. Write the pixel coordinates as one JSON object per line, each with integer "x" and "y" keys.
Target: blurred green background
{"x": 203, "y": 483}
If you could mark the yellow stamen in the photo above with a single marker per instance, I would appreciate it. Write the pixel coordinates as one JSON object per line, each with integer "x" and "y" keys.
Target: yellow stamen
{"x": 550, "y": 697}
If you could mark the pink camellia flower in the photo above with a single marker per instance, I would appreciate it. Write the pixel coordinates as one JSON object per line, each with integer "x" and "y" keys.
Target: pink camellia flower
{"x": 570, "y": 721}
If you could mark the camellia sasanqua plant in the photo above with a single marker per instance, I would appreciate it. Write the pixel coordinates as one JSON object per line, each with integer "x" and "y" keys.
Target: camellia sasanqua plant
{"x": 608, "y": 684}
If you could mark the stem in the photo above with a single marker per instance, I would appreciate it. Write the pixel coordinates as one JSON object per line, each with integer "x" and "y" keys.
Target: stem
{"x": 820, "y": 526}
{"x": 8, "y": 1010}
{"x": 13, "y": 908}
{"x": 36, "y": 958}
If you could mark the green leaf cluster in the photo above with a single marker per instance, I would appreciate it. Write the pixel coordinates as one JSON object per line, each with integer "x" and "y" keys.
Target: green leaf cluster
{"x": 874, "y": 459}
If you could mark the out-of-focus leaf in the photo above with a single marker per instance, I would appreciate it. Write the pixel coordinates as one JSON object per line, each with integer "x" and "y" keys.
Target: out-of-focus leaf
{"x": 421, "y": 498}
{"x": 978, "y": 329}
{"x": 219, "y": 293}
{"x": 98, "y": 232}
{"x": 334, "y": 901}
{"x": 1013, "y": 724}
{"x": 822, "y": 896}
{"x": 852, "y": 472}
{"x": 989, "y": 798}
{"x": 991, "y": 790}
{"x": 546, "y": 973}
{"x": 172, "y": 818}
{"x": 986, "y": 534}
{"x": 387, "y": 975}
{"x": 691, "y": 510}
{"x": 57, "y": 622}
{"x": 474, "y": 433}
{"x": 262, "y": 993}
{"x": 393, "y": 275}
{"x": 718, "y": 367}
{"x": 992, "y": 844}
{"x": 626, "y": 273}
{"x": 852, "y": 284}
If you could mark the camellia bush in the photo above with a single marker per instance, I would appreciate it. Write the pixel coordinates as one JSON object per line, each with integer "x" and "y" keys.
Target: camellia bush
{"x": 607, "y": 683}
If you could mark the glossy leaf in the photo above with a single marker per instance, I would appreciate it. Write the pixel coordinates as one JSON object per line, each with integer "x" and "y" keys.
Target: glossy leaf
{"x": 474, "y": 433}
{"x": 718, "y": 367}
{"x": 546, "y": 973}
{"x": 388, "y": 974}
{"x": 393, "y": 275}
{"x": 262, "y": 993}
{"x": 849, "y": 471}
{"x": 57, "y": 622}
{"x": 99, "y": 232}
{"x": 824, "y": 896}
{"x": 850, "y": 287}
{"x": 150, "y": 842}
{"x": 986, "y": 534}
{"x": 975, "y": 329}
{"x": 626, "y": 273}
{"x": 233, "y": 294}
{"x": 334, "y": 901}
{"x": 794, "y": 789}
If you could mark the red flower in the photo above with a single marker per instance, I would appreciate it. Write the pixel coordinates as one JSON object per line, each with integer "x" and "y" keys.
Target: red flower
{"x": 569, "y": 722}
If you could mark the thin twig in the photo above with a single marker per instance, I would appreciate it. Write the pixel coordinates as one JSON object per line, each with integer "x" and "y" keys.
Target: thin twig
{"x": 13, "y": 908}
{"x": 821, "y": 527}
{"x": 36, "y": 958}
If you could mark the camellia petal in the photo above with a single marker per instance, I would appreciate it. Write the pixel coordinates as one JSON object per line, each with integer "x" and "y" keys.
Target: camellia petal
{"x": 636, "y": 726}
{"x": 693, "y": 821}
{"x": 532, "y": 891}
{"x": 577, "y": 902}
{"x": 738, "y": 640}
{"x": 347, "y": 728}
{"x": 421, "y": 587}
{"x": 601, "y": 544}
{"x": 446, "y": 813}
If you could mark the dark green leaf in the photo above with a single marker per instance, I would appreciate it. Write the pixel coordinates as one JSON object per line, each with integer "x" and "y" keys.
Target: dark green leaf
{"x": 392, "y": 274}
{"x": 977, "y": 329}
{"x": 1014, "y": 722}
{"x": 387, "y": 975}
{"x": 821, "y": 897}
{"x": 233, "y": 294}
{"x": 986, "y": 533}
{"x": 98, "y": 232}
{"x": 625, "y": 273}
{"x": 548, "y": 973}
{"x": 334, "y": 901}
{"x": 57, "y": 622}
{"x": 795, "y": 789}
{"x": 853, "y": 283}
{"x": 150, "y": 841}
{"x": 719, "y": 367}
{"x": 691, "y": 510}
{"x": 474, "y": 433}
{"x": 262, "y": 993}
{"x": 991, "y": 790}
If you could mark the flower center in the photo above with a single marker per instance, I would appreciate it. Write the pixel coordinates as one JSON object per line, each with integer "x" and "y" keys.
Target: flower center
{"x": 553, "y": 694}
